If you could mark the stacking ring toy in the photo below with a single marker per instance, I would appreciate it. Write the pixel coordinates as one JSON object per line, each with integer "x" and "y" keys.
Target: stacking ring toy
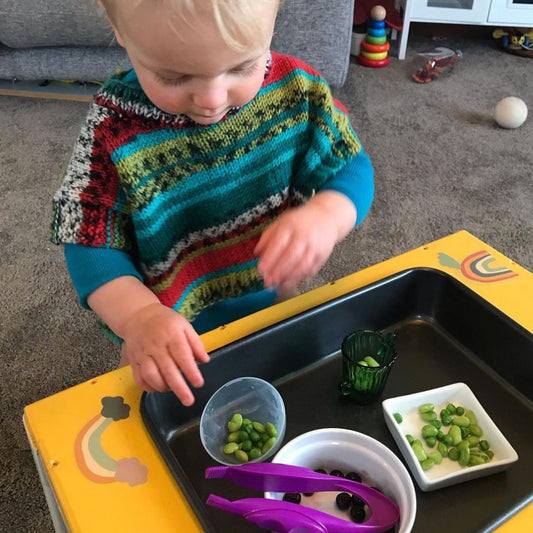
{"x": 376, "y": 40}
{"x": 374, "y": 63}
{"x": 376, "y": 32}
{"x": 374, "y": 56}
{"x": 374, "y": 48}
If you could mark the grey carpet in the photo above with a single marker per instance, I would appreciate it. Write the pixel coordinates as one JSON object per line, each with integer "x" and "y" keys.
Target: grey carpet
{"x": 441, "y": 165}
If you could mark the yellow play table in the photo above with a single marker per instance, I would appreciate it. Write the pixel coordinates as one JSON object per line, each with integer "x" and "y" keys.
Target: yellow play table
{"x": 89, "y": 490}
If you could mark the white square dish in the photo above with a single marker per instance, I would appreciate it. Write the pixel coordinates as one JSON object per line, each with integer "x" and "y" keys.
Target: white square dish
{"x": 448, "y": 472}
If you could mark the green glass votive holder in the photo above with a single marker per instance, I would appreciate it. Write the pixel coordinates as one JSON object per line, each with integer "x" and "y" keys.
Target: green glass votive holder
{"x": 367, "y": 359}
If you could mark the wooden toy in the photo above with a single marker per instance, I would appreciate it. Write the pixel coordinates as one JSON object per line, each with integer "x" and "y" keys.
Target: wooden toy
{"x": 375, "y": 48}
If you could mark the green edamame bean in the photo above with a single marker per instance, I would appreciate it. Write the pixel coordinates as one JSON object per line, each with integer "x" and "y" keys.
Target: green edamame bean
{"x": 446, "y": 420}
{"x": 475, "y": 430}
{"x": 440, "y": 436}
{"x": 268, "y": 444}
{"x": 475, "y": 451}
{"x": 464, "y": 432}
{"x": 471, "y": 416}
{"x": 436, "y": 456}
{"x": 370, "y": 361}
{"x": 362, "y": 363}
{"x": 490, "y": 454}
{"x": 462, "y": 421}
{"x": 247, "y": 445}
{"x": 418, "y": 450}
{"x": 271, "y": 429}
{"x": 476, "y": 460}
{"x": 484, "y": 445}
{"x": 451, "y": 408}
{"x": 246, "y": 421}
{"x": 260, "y": 428}
{"x": 442, "y": 448}
{"x": 472, "y": 441}
{"x": 464, "y": 453}
{"x": 427, "y": 463}
{"x": 230, "y": 448}
{"x": 459, "y": 411}
{"x": 254, "y": 436}
{"x": 444, "y": 413}
{"x": 242, "y": 435}
{"x": 453, "y": 454}
{"x": 233, "y": 437}
{"x": 235, "y": 423}
{"x": 429, "y": 430}
{"x": 254, "y": 454}
{"x": 455, "y": 434}
{"x": 241, "y": 456}
{"x": 410, "y": 438}
{"x": 437, "y": 423}
{"x": 428, "y": 416}
{"x": 426, "y": 408}
{"x": 431, "y": 441}
{"x": 398, "y": 417}
{"x": 448, "y": 440}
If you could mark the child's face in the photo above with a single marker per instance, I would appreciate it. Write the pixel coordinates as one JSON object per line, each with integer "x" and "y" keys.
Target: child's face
{"x": 192, "y": 71}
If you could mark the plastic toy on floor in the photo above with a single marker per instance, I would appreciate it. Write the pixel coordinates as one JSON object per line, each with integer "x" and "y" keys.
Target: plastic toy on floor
{"x": 517, "y": 41}
{"x": 375, "y": 48}
{"x": 439, "y": 60}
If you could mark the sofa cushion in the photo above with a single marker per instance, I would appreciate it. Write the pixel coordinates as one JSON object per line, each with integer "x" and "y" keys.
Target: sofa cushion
{"x": 317, "y": 31}
{"x": 27, "y": 23}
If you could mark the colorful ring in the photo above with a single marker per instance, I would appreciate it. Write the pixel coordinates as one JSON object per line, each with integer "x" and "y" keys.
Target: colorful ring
{"x": 376, "y": 32}
{"x": 375, "y": 40}
{"x": 367, "y": 47}
{"x": 373, "y": 63}
{"x": 375, "y": 56}
{"x": 376, "y": 23}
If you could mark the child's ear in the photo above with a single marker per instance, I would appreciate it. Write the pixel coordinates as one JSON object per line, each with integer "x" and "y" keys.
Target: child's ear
{"x": 117, "y": 35}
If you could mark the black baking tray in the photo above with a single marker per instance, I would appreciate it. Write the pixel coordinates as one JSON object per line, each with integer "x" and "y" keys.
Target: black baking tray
{"x": 445, "y": 333}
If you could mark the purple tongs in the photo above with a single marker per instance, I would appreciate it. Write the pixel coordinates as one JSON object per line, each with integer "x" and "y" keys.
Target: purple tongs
{"x": 287, "y": 517}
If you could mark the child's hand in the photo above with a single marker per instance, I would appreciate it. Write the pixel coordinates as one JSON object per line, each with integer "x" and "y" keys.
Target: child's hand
{"x": 163, "y": 349}
{"x": 297, "y": 245}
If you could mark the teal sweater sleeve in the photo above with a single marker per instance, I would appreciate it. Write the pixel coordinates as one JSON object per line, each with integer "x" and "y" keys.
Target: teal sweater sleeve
{"x": 356, "y": 181}
{"x": 90, "y": 268}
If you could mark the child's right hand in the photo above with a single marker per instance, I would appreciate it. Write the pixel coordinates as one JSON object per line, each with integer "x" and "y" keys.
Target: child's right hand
{"x": 163, "y": 349}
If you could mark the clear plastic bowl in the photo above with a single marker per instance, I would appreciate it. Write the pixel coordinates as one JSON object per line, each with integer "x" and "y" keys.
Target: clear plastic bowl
{"x": 253, "y": 398}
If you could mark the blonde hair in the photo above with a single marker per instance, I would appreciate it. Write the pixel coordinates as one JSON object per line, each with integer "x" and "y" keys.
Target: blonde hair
{"x": 236, "y": 20}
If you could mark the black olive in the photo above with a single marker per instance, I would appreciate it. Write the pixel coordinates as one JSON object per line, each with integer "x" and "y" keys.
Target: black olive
{"x": 293, "y": 497}
{"x": 343, "y": 500}
{"x": 353, "y": 476}
{"x": 357, "y": 513}
{"x": 337, "y": 473}
{"x": 357, "y": 502}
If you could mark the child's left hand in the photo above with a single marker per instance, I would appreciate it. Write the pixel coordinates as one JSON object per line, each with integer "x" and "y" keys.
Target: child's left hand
{"x": 300, "y": 241}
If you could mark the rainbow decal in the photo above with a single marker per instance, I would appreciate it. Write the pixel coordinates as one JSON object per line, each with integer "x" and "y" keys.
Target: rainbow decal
{"x": 478, "y": 267}
{"x": 94, "y": 463}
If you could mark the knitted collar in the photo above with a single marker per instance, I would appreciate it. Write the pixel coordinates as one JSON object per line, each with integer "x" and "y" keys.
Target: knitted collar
{"x": 124, "y": 92}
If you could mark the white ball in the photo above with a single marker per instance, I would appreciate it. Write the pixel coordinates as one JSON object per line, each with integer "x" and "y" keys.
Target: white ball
{"x": 510, "y": 112}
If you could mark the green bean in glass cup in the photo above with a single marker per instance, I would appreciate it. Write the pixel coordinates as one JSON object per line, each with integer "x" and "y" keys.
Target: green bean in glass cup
{"x": 367, "y": 359}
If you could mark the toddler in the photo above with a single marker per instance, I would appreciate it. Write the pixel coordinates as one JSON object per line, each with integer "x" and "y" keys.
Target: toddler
{"x": 207, "y": 180}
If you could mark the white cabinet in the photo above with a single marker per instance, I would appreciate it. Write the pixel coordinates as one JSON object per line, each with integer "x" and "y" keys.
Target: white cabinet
{"x": 517, "y": 13}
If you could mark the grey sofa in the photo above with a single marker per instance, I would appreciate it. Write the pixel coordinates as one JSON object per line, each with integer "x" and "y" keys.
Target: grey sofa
{"x": 69, "y": 39}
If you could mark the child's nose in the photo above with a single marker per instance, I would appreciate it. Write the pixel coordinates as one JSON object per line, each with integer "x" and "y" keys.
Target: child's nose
{"x": 212, "y": 96}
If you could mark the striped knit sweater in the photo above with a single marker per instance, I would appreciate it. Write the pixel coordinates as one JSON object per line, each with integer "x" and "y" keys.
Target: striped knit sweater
{"x": 189, "y": 202}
